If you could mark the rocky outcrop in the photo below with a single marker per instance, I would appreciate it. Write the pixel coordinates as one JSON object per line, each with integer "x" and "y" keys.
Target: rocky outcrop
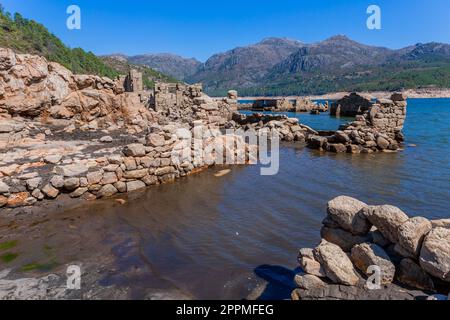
{"x": 32, "y": 87}
{"x": 338, "y": 266}
{"x": 378, "y": 128}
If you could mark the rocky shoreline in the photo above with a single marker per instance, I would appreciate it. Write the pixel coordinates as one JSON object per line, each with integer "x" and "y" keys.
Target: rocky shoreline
{"x": 412, "y": 255}
{"x": 425, "y": 93}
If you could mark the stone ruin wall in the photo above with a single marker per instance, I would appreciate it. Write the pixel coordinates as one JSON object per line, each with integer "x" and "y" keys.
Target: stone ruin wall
{"x": 378, "y": 128}
{"x": 410, "y": 251}
{"x": 188, "y": 103}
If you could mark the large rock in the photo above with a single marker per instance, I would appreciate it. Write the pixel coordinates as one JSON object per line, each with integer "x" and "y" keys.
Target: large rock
{"x": 155, "y": 140}
{"x": 107, "y": 191}
{"x": 342, "y": 238}
{"x": 134, "y": 150}
{"x": 336, "y": 264}
{"x": 4, "y": 188}
{"x": 387, "y": 219}
{"x": 411, "y": 235}
{"x": 368, "y": 254}
{"x": 346, "y": 211}
{"x": 71, "y": 170}
{"x": 435, "y": 253}
{"x": 135, "y": 185}
{"x": 411, "y": 274}
{"x": 71, "y": 184}
{"x": 50, "y": 191}
{"x": 308, "y": 281}
{"x": 309, "y": 264}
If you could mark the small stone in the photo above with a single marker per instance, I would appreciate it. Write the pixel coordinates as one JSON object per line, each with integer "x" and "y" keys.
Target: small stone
{"x": 130, "y": 163}
{"x": 135, "y": 185}
{"x": 53, "y": 158}
{"x": 134, "y": 150}
{"x": 71, "y": 170}
{"x": 150, "y": 180}
{"x": 121, "y": 201}
{"x": 38, "y": 194}
{"x": 135, "y": 174}
{"x": 368, "y": 254}
{"x": 106, "y": 139}
{"x": 33, "y": 183}
{"x": 121, "y": 186}
{"x": 78, "y": 192}
{"x": 382, "y": 143}
{"x": 107, "y": 191}
{"x": 57, "y": 181}
{"x": 84, "y": 182}
{"x": 4, "y": 188}
{"x": 164, "y": 170}
{"x": 155, "y": 140}
{"x": 71, "y": 184}
{"x": 50, "y": 191}
{"x": 3, "y": 201}
{"x": 115, "y": 159}
{"x": 19, "y": 200}
{"x": 94, "y": 177}
{"x": 109, "y": 178}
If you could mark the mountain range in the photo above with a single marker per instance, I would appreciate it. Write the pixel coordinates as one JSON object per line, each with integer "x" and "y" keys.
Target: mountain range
{"x": 281, "y": 66}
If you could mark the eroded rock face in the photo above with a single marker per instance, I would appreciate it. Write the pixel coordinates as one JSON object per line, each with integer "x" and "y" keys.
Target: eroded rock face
{"x": 346, "y": 211}
{"x": 33, "y": 87}
{"x": 368, "y": 254}
{"x": 387, "y": 219}
{"x": 336, "y": 264}
{"x": 435, "y": 253}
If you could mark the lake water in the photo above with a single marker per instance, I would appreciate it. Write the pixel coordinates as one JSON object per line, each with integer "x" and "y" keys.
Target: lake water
{"x": 220, "y": 238}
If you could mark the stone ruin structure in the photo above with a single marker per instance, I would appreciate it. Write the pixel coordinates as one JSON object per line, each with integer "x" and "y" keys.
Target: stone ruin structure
{"x": 411, "y": 252}
{"x": 287, "y": 105}
{"x": 351, "y": 105}
{"x": 378, "y": 128}
{"x": 132, "y": 82}
{"x": 188, "y": 103}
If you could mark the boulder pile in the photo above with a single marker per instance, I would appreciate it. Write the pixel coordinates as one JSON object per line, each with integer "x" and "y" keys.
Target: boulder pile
{"x": 411, "y": 254}
{"x": 379, "y": 128}
{"x": 287, "y": 129}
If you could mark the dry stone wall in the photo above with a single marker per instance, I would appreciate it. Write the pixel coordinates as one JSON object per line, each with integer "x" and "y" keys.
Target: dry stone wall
{"x": 379, "y": 128}
{"x": 412, "y": 252}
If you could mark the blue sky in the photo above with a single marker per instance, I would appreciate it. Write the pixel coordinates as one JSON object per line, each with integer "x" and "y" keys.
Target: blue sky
{"x": 200, "y": 28}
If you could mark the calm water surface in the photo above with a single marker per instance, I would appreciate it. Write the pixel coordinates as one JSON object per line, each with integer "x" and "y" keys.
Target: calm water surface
{"x": 218, "y": 238}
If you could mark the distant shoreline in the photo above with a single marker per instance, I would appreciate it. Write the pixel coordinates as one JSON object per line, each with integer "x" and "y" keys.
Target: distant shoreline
{"x": 410, "y": 93}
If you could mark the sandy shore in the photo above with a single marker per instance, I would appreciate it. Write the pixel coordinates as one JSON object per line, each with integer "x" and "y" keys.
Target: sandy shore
{"x": 412, "y": 93}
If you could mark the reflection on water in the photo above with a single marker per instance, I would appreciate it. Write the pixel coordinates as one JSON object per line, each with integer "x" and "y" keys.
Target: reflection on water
{"x": 218, "y": 238}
